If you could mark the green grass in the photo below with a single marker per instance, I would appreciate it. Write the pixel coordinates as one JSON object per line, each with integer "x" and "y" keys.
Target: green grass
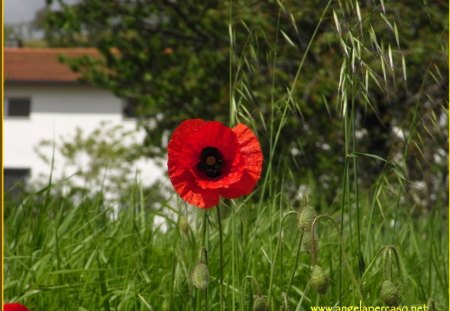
{"x": 67, "y": 253}
{"x": 65, "y": 256}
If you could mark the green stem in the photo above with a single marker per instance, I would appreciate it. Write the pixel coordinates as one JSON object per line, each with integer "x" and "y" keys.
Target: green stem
{"x": 205, "y": 252}
{"x": 295, "y": 265}
{"x": 205, "y": 222}
{"x": 221, "y": 257}
{"x": 272, "y": 272}
{"x": 341, "y": 231}
{"x": 233, "y": 258}
{"x": 230, "y": 67}
{"x": 384, "y": 250}
{"x": 258, "y": 289}
{"x": 341, "y": 242}
{"x": 355, "y": 180}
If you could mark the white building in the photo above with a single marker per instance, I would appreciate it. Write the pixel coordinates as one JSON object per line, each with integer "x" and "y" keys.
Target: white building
{"x": 45, "y": 101}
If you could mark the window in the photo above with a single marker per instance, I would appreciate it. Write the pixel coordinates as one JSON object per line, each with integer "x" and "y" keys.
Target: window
{"x": 18, "y": 107}
{"x": 129, "y": 109}
{"x": 15, "y": 179}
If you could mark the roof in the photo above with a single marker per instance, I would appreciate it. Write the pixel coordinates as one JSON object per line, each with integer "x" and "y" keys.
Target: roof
{"x": 41, "y": 64}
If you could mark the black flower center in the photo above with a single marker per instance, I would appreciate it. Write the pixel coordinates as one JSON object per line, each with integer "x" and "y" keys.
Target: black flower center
{"x": 211, "y": 162}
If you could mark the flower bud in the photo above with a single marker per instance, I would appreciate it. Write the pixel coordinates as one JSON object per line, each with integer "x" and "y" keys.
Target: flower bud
{"x": 306, "y": 218}
{"x": 200, "y": 276}
{"x": 308, "y": 241}
{"x": 319, "y": 280}
{"x": 389, "y": 294}
{"x": 260, "y": 304}
{"x": 166, "y": 305}
{"x": 183, "y": 224}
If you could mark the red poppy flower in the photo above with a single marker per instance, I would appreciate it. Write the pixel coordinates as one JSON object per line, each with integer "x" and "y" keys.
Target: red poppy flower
{"x": 14, "y": 307}
{"x": 208, "y": 160}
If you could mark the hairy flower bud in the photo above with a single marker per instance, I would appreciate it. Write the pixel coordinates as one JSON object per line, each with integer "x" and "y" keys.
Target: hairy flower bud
{"x": 389, "y": 293}
{"x": 319, "y": 280}
{"x": 200, "y": 276}
{"x": 260, "y": 304}
{"x": 309, "y": 239}
{"x": 183, "y": 224}
{"x": 306, "y": 218}
{"x": 166, "y": 305}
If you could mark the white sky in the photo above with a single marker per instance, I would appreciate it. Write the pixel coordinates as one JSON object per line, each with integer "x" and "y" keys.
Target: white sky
{"x": 21, "y": 11}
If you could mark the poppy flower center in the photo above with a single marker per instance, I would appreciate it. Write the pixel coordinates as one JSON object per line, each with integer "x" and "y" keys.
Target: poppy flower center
{"x": 211, "y": 162}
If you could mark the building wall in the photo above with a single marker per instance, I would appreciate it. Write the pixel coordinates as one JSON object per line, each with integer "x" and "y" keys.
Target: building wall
{"x": 56, "y": 112}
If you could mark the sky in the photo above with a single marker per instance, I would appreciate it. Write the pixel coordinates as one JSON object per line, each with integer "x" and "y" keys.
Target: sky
{"x": 21, "y": 11}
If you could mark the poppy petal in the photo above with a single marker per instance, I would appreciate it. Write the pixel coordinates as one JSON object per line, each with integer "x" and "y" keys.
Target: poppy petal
{"x": 14, "y": 307}
{"x": 244, "y": 186}
{"x": 250, "y": 150}
{"x": 179, "y": 152}
{"x": 185, "y": 185}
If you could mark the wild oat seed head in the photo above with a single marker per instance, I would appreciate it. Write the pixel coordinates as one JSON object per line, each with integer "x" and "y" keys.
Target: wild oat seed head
{"x": 389, "y": 294}
{"x": 260, "y": 304}
{"x": 319, "y": 280}
{"x": 200, "y": 276}
{"x": 306, "y": 218}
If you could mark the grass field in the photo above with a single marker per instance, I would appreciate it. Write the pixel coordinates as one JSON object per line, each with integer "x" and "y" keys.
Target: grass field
{"x": 65, "y": 252}
{"x": 65, "y": 256}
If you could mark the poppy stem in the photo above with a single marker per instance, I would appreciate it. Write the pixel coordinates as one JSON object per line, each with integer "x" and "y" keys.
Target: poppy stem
{"x": 221, "y": 256}
{"x": 205, "y": 223}
{"x": 205, "y": 253}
